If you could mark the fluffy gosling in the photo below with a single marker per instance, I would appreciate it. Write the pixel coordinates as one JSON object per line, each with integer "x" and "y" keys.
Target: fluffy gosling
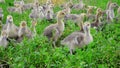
{"x": 54, "y": 31}
{"x": 78, "y": 39}
{"x": 24, "y": 31}
{"x": 110, "y": 12}
{"x": 11, "y": 28}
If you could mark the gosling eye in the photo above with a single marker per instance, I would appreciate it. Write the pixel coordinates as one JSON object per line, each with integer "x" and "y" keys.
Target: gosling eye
{"x": 48, "y": 11}
{"x": 63, "y": 13}
{"x": 114, "y": 4}
{"x": 88, "y": 24}
{"x": 10, "y": 17}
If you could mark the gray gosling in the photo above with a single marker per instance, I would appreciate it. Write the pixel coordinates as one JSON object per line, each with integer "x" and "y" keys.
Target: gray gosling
{"x": 49, "y": 15}
{"x": 110, "y": 12}
{"x": 54, "y": 31}
{"x": 78, "y": 39}
{"x": 11, "y": 28}
{"x": 24, "y": 31}
{"x": 34, "y": 15}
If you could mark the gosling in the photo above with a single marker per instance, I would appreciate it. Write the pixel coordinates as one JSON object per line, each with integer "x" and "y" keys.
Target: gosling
{"x": 78, "y": 39}
{"x": 110, "y": 12}
{"x": 34, "y": 15}
{"x": 24, "y": 31}
{"x": 54, "y": 31}
{"x": 49, "y": 12}
{"x": 98, "y": 17}
{"x": 11, "y": 28}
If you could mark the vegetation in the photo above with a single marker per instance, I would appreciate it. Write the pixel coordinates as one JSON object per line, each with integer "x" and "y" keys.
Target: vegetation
{"x": 103, "y": 52}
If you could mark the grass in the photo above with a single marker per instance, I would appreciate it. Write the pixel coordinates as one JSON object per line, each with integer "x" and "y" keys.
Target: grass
{"x": 103, "y": 52}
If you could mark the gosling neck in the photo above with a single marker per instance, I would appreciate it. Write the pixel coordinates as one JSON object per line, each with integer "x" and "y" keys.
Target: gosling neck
{"x": 88, "y": 12}
{"x": 3, "y": 38}
{"x": 9, "y": 25}
{"x": 60, "y": 21}
{"x": 98, "y": 20}
{"x": 87, "y": 32}
{"x": 82, "y": 18}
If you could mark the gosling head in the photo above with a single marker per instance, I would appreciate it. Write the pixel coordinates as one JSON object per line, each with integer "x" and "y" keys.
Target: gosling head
{"x": 86, "y": 26}
{"x": 36, "y": 4}
{"x": 16, "y": 5}
{"x": 9, "y": 19}
{"x": 99, "y": 9}
{"x": 90, "y": 9}
{"x": 4, "y": 34}
{"x": 82, "y": 16}
{"x": 51, "y": 6}
{"x": 114, "y": 5}
{"x": 70, "y": 4}
{"x": 34, "y": 23}
{"x": 48, "y": 11}
{"x": 23, "y": 24}
{"x": 61, "y": 15}
{"x": 99, "y": 12}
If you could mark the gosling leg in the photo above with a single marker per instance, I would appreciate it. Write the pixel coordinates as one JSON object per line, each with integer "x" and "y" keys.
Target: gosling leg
{"x": 71, "y": 49}
{"x": 54, "y": 45}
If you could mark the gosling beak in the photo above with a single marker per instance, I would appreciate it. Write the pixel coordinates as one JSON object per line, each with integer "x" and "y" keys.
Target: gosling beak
{"x": 10, "y": 20}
